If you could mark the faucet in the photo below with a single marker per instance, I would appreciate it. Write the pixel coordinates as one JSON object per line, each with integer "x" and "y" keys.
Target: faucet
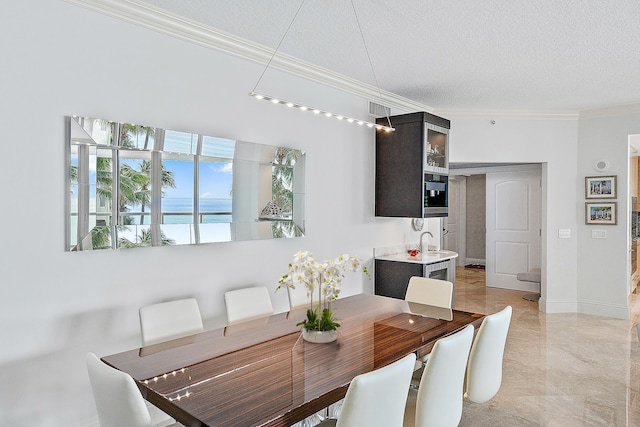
{"x": 421, "y": 236}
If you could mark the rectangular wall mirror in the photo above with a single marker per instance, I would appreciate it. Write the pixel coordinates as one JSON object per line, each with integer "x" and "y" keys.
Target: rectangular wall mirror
{"x": 133, "y": 186}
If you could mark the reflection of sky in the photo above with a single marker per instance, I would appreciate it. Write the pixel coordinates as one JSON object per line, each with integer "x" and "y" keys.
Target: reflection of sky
{"x": 215, "y": 179}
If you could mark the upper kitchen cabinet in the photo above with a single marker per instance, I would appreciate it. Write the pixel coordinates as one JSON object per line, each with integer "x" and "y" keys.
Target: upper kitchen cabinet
{"x": 412, "y": 166}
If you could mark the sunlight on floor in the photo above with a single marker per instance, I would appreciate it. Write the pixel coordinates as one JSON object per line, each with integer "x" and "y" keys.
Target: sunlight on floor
{"x": 559, "y": 369}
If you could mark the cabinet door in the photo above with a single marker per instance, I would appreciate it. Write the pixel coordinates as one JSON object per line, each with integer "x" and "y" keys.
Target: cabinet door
{"x": 399, "y": 171}
{"x": 392, "y": 277}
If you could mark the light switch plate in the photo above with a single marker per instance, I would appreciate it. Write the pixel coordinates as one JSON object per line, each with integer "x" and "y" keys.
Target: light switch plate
{"x": 598, "y": 234}
{"x": 564, "y": 233}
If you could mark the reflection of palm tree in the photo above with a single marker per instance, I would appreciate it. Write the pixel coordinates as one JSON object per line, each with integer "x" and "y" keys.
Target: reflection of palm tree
{"x": 100, "y": 237}
{"x": 282, "y": 187}
{"x": 103, "y": 177}
{"x": 144, "y": 240}
{"x": 144, "y": 198}
{"x": 282, "y": 177}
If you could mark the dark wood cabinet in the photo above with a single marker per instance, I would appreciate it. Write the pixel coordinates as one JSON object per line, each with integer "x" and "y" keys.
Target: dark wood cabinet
{"x": 412, "y": 167}
{"x": 392, "y": 278}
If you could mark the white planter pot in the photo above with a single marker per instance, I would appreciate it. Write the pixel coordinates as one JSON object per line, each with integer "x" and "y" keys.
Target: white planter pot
{"x": 319, "y": 336}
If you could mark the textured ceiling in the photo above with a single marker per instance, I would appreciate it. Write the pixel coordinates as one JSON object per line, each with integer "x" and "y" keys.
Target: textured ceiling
{"x": 523, "y": 55}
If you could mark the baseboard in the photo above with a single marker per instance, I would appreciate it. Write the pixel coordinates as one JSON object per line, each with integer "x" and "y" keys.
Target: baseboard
{"x": 557, "y": 306}
{"x": 617, "y": 311}
{"x": 475, "y": 261}
{"x": 520, "y": 286}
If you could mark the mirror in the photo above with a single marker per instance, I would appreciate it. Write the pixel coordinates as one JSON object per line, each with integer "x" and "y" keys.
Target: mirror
{"x": 136, "y": 186}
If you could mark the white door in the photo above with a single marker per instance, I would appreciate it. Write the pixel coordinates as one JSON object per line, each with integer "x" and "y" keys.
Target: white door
{"x": 513, "y": 228}
{"x": 454, "y": 224}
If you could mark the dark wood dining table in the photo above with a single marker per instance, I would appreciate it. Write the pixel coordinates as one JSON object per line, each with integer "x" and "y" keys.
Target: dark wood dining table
{"x": 262, "y": 373}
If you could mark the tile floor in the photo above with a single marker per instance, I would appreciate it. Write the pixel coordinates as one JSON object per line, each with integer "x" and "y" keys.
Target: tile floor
{"x": 559, "y": 369}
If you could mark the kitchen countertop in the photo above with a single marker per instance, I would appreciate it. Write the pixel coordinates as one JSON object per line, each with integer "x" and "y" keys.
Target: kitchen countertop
{"x": 399, "y": 253}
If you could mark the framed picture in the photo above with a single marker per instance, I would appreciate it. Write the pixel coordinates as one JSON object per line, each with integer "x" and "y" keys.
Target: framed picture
{"x": 601, "y": 213}
{"x": 600, "y": 187}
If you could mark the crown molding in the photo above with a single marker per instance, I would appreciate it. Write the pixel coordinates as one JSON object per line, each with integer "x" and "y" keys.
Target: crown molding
{"x": 509, "y": 114}
{"x": 165, "y": 22}
{"x": 612, "y": 111}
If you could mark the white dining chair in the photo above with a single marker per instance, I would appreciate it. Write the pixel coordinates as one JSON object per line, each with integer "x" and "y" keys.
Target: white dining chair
{"x": 427, "y": 291}
{"x": 118, "y": 399}
{"x": 247, "y": 304}
{"x": 377, "y": 398}
{"x": 424, "y": 290}
{"x": 438, "y": 400}
{"x": 169, "y": 320}
{"x": 298, "y": 297}
{"x": 484, "y": 370}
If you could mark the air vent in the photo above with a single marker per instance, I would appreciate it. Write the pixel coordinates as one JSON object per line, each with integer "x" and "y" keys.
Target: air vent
{"x": 378, "y": 110}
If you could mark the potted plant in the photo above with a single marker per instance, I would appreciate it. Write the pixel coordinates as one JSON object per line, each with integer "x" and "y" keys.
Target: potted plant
{"x": 322, "y": 281}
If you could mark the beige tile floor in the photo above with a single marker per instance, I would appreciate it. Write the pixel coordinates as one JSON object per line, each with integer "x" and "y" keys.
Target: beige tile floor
{"x": 559, "y": 369}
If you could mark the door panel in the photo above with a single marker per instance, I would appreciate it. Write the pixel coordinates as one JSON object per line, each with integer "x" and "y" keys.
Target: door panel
{"x": 513, "y": 228}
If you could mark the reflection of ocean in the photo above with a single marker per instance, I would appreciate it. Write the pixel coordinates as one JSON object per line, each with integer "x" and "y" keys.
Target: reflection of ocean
{"x": 184, "y": 205}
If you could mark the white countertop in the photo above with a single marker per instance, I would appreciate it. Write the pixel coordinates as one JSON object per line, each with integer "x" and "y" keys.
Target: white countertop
{"x": 399, "y": 253}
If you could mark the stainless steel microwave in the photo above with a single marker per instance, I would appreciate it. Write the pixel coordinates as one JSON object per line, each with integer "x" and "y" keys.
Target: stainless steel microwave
{"x": 436, "y": 202}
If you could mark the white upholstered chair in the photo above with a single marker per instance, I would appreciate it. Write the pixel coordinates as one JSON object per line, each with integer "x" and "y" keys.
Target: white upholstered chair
{"x": 169, "y": 320}
{"x": 435, "y": 292}
{"x": 247, "y": 304}
{"x": 484, "y": 370}
{"x": 377, "y": 398}
{"x": 298, "y": 297}
{"x": 438, "y": 400}
{"x": 118, "y": 399}
{"x": 424, "y": 290}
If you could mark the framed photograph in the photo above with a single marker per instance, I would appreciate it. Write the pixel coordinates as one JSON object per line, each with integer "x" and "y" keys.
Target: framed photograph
{"x": 600, "y": 187}
{"x": 601, "y": 213}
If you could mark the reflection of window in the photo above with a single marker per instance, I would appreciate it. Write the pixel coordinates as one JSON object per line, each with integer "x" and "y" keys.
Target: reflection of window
{"x": 216, "y": 188}
{"x": 177, "y": 198}
{"x": 133, "y": 186}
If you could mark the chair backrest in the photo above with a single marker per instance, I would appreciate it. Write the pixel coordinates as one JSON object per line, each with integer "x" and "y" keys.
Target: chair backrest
{"x": 117, "y": 396}
{"x": 298, "y": 297}
{"x": 439, "y": 399}
{"x": 424, "y": 290}
{"x": 170, "y": 320}
{"x": 484, "y": 371}
{"x": 378, "y": 398}
{"x": 247, "y": 304}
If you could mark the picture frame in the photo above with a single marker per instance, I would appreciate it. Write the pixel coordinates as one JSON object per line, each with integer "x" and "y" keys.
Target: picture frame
{"x": 601, "y": 213}
{"x": 600, "y": 187}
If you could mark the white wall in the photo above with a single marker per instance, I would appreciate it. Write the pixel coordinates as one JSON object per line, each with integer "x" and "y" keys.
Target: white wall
{"x": 59, "y": 59}
{"x": 555, "y": 144}
{"x": 603, "y": 273}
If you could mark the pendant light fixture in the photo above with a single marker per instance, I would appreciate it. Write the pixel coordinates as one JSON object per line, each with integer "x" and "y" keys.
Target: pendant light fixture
{"x": 314, "y": 110}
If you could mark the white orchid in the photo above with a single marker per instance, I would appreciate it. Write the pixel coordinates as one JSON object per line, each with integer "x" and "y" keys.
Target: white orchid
{"x": 326, "y": 277}
{"x": 322, "y": 279}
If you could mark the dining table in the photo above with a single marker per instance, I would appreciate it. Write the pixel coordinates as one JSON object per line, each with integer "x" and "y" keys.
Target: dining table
{"x": 262, "y": 373}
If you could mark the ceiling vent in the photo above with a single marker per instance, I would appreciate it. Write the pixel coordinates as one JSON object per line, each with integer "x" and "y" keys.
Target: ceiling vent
{"x": 378, "y": 110}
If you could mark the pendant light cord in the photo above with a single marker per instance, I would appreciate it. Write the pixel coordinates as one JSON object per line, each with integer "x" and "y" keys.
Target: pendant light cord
{"x": 375, "y": 78}
{"x": 278, "y": 47}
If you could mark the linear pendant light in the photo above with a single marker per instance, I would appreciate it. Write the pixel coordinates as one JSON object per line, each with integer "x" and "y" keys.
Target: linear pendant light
{"x": 314, "y": 110}
{"x": 318, "y": 111}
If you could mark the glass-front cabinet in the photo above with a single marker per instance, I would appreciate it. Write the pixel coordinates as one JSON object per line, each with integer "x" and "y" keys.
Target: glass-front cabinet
{"x": 437, "y": 149}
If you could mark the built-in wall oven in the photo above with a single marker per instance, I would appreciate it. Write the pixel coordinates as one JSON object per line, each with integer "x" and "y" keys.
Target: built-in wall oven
{"x": 435, "y": 195}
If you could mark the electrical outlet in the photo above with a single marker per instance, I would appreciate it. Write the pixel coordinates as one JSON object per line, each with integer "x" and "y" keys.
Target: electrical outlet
{"x": 598, "y": 234}
{"x": 564, "y": 234}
